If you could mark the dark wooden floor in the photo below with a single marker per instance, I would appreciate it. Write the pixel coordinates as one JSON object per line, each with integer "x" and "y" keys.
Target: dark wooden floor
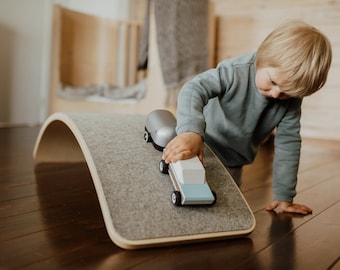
{"x": 50, "y": 217}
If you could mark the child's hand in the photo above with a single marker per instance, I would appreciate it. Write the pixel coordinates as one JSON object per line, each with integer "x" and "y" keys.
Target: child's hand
{"x": 184, "y": 146}
{"x": 290, "y": 207}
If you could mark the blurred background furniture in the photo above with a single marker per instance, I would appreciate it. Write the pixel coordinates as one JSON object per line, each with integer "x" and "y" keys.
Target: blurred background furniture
{"x": 89, "y": 51}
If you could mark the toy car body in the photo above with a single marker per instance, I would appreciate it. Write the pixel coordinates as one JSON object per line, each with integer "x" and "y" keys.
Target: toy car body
{"x": 188, "y": 179}
{"x": 160, "y": 128}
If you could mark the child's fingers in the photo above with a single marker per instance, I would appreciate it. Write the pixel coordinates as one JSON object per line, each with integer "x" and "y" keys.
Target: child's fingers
{"x": 299, "y": 209}
{"x": 290, "y": 207}
{"x": 178, "y": 155}
{"x": 183, "y": 146}
{"x": 272, "y": 206}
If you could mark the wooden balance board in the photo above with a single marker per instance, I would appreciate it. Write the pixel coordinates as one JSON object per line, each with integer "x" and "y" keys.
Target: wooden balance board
{"x": 134, "y": 195}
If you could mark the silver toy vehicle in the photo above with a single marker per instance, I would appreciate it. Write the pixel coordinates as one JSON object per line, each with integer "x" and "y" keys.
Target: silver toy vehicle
{"x": 160, "y": 128}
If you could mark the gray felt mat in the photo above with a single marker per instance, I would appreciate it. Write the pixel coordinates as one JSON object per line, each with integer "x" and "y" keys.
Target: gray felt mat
{"x": 134, "y": 196}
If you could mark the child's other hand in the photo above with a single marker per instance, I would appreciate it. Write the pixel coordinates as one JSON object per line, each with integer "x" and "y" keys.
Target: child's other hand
{"x": 184, "y": 146}
{"x": 290, "y": 207}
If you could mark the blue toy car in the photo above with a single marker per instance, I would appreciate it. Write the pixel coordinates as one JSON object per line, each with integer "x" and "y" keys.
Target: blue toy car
{"x": 188, "y": 179}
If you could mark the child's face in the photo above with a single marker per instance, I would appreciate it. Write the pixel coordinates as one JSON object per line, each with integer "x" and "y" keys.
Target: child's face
{"x": 267, "y": 80}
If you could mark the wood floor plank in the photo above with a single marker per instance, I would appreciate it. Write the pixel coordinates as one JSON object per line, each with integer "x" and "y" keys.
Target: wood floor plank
{"x": 259, "y": 173}
{"x": 336, "y": 265}
{"x": 317, "y": 175}
{"x": 214, "y": 255}
{"x": 102, "y": 256}
{"x": 52, "y": 244}
{"x": 50, "y": 217}
{"x": 63, "y": 209}
{"x": 260, "y": 196}
{"x": 301, "y": 247}
{"x": 313, "y": 159}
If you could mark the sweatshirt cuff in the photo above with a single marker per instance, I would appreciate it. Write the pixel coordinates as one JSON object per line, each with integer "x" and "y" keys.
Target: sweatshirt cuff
{"x": 283, "y": 198}
{"x": 189, "y": 128}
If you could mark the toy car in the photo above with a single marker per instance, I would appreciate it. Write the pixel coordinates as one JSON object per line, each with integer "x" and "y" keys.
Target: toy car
{"x": 160, "y": 128}
{"x": 188, "y": 179}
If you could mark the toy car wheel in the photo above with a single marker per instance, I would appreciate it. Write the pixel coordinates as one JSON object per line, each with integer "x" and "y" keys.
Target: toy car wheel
{"x": 163, "y": 167}
{"x": 215, "y": 197}
{"x": 176, "y": 198}
{"x": 147, "y": 137}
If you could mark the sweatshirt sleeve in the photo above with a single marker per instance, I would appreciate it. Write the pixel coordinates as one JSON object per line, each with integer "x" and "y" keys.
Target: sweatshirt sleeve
{"x": 287, "y": 153}
{"x": 196, "y": 93}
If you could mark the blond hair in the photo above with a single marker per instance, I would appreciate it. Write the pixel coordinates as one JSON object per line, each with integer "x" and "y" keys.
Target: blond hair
{"x": 301, "y": 53}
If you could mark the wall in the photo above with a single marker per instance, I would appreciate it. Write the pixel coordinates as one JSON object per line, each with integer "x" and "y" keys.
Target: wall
{"x": 242, "y": 25}
{"x": 21, "y": 60}
{"x": 25, "y": 32}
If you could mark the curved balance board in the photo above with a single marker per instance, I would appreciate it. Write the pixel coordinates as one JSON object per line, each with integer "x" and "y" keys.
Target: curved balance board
{"x": 134, "y": 196}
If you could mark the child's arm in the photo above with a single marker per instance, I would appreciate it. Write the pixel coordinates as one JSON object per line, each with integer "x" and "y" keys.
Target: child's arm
{"x": 286, "y": 161}
{"x": 184, "y": 146}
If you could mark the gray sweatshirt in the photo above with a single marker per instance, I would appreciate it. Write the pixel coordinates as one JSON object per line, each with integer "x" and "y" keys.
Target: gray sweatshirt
{"x": 224, "y": 106}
